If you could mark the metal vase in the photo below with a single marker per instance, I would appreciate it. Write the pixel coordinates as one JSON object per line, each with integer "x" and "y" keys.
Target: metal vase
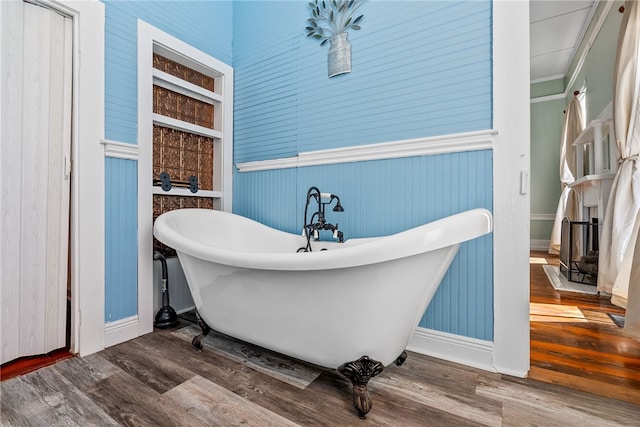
{"x": 339, "y": 60}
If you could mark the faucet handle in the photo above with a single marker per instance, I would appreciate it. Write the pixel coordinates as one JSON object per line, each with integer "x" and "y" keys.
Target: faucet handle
{"x": 337, "y": 234}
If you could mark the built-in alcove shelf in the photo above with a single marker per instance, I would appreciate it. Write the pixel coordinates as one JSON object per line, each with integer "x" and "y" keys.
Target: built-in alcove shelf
{"x": 176, "y": 84}
{"x": 172, "y": 123}
{"x": 197, "y": 111}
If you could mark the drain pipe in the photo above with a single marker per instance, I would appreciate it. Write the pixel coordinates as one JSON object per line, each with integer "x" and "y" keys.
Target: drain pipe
{"x": 166, "y": 316}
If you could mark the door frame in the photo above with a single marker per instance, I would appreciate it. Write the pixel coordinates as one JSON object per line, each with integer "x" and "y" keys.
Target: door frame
{"x": 511, "y": 156}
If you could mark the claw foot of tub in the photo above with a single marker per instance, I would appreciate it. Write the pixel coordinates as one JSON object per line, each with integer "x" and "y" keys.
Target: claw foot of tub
{"x": 197, "y": 340}
{"x": 360, "y": 372}
{"x": 400, "y": 360}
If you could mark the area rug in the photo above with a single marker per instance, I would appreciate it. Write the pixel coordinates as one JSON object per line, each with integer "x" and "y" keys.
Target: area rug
{"x": 560, "y": 282}
{"x": 291, "y": 371}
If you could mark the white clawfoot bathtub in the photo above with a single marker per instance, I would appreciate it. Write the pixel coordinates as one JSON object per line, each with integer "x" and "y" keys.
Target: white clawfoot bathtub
{"x": 360, "y": 297}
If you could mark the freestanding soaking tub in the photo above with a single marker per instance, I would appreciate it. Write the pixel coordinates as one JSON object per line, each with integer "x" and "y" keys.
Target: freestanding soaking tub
{"x": 352, "y": 307}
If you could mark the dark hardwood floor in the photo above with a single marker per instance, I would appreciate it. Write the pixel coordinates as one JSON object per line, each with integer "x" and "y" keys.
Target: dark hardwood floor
{"x": 577, "y": 344}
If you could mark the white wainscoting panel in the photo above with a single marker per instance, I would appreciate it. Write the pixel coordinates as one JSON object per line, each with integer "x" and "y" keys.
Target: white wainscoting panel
{"x": 120, "y": 331}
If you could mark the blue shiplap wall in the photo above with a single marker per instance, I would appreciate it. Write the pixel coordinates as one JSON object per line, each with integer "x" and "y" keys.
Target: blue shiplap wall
{"x": 204, "y": 25}
{"x": 387, "y": 196}
{"x": 419, "y": 69}
{"x": 121, "y": 245}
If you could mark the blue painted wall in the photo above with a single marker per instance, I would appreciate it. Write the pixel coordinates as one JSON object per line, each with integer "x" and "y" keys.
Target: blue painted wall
{"x": 121, "y": 245}
{"x": 419, "y": 69}
{"x": 206, "y": 26}
{"x": 386, "y": 196}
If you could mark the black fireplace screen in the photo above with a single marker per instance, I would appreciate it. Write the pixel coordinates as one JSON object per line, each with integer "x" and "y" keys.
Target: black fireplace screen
{"x": 579, "y": 250}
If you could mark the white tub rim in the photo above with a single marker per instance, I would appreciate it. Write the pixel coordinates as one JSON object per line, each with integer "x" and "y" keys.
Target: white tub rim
{"x": 460, "y": 227}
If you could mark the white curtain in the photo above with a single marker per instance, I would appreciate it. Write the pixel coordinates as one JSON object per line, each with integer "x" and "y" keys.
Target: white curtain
{"x": 35, "y": 138}
{"x": 568, "y": 203}
{"x": 624, "y": 201}
{"x": 621, "y": 286}
{"x": 632, "y": 299}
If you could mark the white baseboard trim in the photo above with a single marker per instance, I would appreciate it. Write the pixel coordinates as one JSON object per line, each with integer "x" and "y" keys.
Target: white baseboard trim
{"x": 539, "y": 245}
{"x": 455, "y": 348}
{"x": 513, "y": 373}
{"x": 120, "y": 331}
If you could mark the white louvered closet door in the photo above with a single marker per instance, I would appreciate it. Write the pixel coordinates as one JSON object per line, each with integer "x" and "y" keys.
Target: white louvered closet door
{"x": 35, "y": 132}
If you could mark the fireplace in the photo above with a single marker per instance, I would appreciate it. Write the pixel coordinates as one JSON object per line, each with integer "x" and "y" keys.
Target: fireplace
{"x": 579, "y": 250}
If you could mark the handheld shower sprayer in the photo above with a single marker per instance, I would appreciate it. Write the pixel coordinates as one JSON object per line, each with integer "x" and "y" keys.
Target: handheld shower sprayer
{"x": 338, "y": 207}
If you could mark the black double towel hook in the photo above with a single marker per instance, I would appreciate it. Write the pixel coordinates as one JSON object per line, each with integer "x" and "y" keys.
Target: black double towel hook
{"x": 166, "y": 183}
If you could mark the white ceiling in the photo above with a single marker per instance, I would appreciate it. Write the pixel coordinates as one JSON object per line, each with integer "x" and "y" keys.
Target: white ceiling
{"x": 557, "y": 28}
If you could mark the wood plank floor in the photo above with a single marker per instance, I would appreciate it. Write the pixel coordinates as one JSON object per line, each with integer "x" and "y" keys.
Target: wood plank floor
{"x": 160, "y": 380}
{"x": 576, "y": 343}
